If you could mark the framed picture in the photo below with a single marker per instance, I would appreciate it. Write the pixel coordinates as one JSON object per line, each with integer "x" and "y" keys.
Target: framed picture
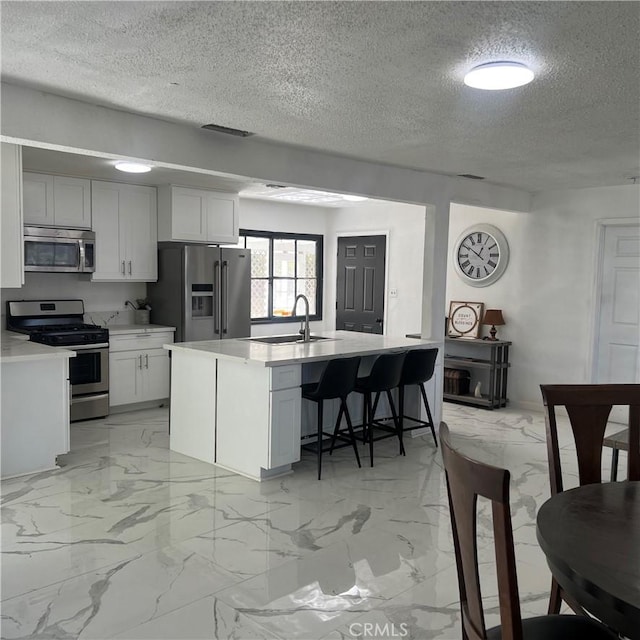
{"x": 465, "y": 319}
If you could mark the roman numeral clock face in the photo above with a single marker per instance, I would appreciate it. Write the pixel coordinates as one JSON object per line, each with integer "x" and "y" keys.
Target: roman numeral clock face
{"x": 480, "y": 255}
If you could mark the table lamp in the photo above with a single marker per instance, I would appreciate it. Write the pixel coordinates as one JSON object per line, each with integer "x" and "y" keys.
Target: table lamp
{"x": 493, "y": 317}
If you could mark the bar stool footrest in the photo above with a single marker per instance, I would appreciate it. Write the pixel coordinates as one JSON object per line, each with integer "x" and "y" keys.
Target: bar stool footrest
{"x": 389, "y": 430}
{"x": 313, "y": 446}
{"x": 420, "y": 424}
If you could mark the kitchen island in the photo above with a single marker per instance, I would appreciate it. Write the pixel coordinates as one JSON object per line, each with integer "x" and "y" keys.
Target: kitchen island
{"x": 238, "y": 404}
{"x": 35, "y": 404}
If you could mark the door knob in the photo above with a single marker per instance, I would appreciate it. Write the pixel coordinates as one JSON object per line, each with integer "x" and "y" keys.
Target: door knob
{"x": 378, "y": 320}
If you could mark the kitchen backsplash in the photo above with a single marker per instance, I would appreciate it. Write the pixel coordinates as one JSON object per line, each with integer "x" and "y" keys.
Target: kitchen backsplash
{"x": 109, "y": 318}
{"x": 104, "y": 302}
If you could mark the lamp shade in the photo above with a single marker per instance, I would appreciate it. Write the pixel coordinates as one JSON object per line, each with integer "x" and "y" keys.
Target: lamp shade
{"x": 493, "y": 316}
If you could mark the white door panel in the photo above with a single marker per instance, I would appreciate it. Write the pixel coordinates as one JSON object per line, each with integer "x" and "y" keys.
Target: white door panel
{"x": 618, "y": 331}
{"x": 125, "y": 378}
{"x": 156, "y": 374}
{"x": 72, "y": 202}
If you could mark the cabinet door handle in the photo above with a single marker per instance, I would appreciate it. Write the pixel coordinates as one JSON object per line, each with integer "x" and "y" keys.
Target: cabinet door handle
{"x": 129, "y": 267}
{"x": 225, "y": 284}
{"x": 146, "y": 360}
{"x": 123, "y": 267}
{"x": 140, "y": 361}
{"x": 216, "y": 305}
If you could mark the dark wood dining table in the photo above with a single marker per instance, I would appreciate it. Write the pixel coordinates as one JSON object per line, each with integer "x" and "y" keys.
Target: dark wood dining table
{"x": 591, "y": 537}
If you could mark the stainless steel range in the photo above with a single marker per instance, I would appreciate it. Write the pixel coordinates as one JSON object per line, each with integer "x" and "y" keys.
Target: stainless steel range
{"x": 59, "y": 323}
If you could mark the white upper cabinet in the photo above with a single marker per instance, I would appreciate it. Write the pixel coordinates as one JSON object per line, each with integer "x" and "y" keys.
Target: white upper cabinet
{"x": 38, "y": 198}
{"x": 72, "y": 202}
{"x": 125, "y": 224}
{"x": 57, "y": 201}
{"x": 197, "y": 215}
{"x": 12, "y": 266}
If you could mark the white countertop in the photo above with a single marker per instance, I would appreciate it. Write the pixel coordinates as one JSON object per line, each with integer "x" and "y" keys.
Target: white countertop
{"x": 117, "y": 329}
{"x": 341, "y": 343}
{"x": 16, "y": 347}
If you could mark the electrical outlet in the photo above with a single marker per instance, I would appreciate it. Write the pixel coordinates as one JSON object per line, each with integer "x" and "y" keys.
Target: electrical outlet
{"x": 393, "y": 293}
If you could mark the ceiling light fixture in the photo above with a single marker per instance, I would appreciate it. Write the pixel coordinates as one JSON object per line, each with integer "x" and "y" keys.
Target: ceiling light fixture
{"x": 495, "y": 76}
{"x": 132, "y": 167}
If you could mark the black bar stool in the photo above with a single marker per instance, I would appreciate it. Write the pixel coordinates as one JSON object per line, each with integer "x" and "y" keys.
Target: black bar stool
{"x": 384, "y": 376}
{"x": 337, "y": 381}
{"x": 418, "y": 368}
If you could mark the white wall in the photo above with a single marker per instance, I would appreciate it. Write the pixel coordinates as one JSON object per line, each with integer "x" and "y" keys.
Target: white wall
{"x": 290, "y": 217}
{"x": 547, "y": 292}
{"x": 404, "y": 226}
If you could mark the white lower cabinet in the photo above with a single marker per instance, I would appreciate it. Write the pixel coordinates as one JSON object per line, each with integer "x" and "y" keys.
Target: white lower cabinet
{"x": 137, "y": 374}
{"x": 34, "y": 432}
{"x": 240, "y": 416}
{"x": 257, "y": 420}
{"x": 284, "y": 427}
{"x": 124, "y": 378}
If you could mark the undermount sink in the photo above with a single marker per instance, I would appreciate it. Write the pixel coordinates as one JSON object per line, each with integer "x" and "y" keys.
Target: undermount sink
{"x": 294, "y": 338}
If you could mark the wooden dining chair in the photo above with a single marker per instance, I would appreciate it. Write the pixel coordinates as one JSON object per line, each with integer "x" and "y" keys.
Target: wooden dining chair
{"x": 588, "y": 407}
{"x": 466, "y": 480}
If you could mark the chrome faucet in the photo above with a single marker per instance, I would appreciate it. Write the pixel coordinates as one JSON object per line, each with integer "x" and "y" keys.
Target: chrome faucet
{"x": 304, "y": 325}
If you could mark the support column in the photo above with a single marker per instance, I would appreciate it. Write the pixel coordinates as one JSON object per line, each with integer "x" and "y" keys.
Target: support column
{"x": 434, "y": 292}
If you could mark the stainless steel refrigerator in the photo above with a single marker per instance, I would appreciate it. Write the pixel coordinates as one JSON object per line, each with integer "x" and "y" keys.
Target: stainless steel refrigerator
{"x": 202, "y": 291}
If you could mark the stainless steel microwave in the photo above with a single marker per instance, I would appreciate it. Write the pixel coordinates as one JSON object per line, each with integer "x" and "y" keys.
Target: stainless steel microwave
{"x": 65, "y": 250}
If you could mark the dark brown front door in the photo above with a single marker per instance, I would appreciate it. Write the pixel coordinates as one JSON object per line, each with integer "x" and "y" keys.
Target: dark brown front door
{"x": 360, "y": 291}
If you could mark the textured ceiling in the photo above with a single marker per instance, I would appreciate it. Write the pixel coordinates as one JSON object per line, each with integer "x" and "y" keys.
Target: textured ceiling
{"x": 380, "y": 81}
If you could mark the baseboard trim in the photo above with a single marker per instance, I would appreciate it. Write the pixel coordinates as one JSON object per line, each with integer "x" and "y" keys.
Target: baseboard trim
{"x": 138, "y": 406}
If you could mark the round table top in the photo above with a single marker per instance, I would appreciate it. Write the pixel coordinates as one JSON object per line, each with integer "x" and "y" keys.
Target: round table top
{"x": 591, "y": 537}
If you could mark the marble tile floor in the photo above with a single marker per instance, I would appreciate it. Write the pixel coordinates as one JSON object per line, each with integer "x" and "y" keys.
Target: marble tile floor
{"x": 131, "y": 540}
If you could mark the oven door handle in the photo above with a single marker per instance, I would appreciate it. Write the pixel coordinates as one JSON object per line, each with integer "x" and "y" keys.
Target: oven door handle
{"x": 86, "y": 347}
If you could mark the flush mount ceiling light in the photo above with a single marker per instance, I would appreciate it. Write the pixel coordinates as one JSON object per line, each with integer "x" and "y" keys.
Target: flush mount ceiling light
{"x": 132, "y": 167}
{"x": 315, "y": 197}
{"x": 495, "y": 76}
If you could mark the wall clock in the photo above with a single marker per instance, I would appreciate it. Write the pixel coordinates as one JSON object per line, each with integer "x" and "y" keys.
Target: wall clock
{"x": 480, "y": 255}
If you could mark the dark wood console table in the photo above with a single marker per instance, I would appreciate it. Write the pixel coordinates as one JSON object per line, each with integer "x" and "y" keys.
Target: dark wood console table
{"x": 492, "y": 356}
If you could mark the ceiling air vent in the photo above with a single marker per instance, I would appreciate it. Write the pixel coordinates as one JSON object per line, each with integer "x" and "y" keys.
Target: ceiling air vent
{"x": 227, "y": 130}
{"x": 470, "y": 176}
{"x": 275, "y": 186}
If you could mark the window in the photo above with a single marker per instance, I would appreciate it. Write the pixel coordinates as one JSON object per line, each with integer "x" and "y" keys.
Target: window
{"x": 282, "y": 266}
